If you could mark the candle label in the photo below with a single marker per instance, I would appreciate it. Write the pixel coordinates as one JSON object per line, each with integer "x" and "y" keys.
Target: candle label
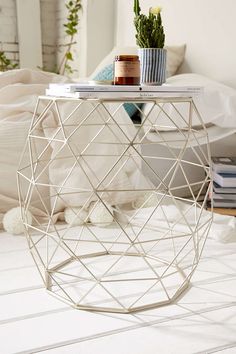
{"x": 127, "y": 69}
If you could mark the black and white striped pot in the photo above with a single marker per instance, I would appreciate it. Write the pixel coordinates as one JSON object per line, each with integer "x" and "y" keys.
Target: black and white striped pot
{"x": 153, "y": 66}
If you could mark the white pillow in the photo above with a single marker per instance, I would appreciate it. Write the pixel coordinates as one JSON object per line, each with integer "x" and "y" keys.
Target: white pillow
{"x": 175, "y": 57}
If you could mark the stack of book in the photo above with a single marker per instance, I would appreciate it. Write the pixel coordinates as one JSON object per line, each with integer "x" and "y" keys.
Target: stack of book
{"x": 224, "y": 185}
{"x": 95, "y": 91}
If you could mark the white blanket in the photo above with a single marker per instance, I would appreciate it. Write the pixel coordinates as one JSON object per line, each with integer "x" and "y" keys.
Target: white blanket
{"x": 218, "y": 103}
{"x": 19, "y": 90}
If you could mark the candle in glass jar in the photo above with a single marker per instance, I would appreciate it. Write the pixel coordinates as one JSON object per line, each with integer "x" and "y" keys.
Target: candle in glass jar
{"x": 127, "y": 70}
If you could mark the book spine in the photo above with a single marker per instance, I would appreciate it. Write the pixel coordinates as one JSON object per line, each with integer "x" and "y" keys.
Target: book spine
{"x": 224, "y": 180}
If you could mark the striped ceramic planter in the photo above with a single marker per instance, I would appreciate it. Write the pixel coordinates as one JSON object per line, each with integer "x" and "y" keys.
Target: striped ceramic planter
{"x": 153, "y": 65}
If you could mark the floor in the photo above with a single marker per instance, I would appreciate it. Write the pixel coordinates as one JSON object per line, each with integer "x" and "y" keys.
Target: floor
{"x": 203, "y": 320}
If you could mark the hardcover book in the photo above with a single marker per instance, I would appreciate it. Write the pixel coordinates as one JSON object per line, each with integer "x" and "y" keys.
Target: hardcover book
{"x": 225, "y": 179}
{"x": 224, "y": 203}
{"x": 223, "y": 190}
{"x": 223, "y": 196}
{"x": 83, "y": 90}
{"x": 224, "y": 164}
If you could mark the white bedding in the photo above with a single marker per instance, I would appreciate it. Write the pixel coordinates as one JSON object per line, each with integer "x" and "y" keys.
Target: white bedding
{"x": 19, "y": 90}
{"x": 218, "y": 103}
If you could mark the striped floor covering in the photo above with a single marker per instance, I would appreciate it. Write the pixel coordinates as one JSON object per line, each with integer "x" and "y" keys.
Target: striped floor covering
{"x": 202, "y": 321}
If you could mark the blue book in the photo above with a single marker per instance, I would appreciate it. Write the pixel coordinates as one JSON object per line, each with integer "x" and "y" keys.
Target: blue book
{"x": 224, "y": 179}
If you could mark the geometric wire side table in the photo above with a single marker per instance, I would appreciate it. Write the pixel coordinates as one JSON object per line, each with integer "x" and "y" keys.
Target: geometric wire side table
{"x": 147, "y": 256}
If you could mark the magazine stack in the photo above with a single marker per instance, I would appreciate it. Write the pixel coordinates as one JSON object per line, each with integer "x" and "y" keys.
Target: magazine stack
{"x": 224, "y": 184}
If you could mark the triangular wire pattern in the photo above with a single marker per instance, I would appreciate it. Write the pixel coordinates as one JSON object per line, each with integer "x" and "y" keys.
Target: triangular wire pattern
{"x": 78, "y": 152}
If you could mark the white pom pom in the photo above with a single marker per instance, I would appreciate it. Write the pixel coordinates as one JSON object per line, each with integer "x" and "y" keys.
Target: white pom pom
{"x": 75, "y": 216}
{"x": 100, "y": 215}
{"x": 13, "y": 223}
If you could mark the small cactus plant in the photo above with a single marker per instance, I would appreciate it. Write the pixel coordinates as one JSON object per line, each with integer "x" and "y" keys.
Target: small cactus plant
{"x": 150, "y": 32}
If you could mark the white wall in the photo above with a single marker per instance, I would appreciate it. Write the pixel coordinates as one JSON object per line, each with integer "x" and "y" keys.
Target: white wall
{"x": 208, "y": 27}
{"x": 100, "y": 31}
{"x": 96, "y": 35}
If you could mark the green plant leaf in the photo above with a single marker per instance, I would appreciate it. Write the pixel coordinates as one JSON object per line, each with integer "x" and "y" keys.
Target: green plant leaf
{"x": 69, "y": 56}
{"x": 71, "y": 28}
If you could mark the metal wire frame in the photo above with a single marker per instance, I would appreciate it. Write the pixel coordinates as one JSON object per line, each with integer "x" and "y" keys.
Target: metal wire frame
{"x": 169, "y": 254}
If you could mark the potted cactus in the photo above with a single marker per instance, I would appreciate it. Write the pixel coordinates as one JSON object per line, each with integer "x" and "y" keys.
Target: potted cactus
{"x": 150, "y": 38}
